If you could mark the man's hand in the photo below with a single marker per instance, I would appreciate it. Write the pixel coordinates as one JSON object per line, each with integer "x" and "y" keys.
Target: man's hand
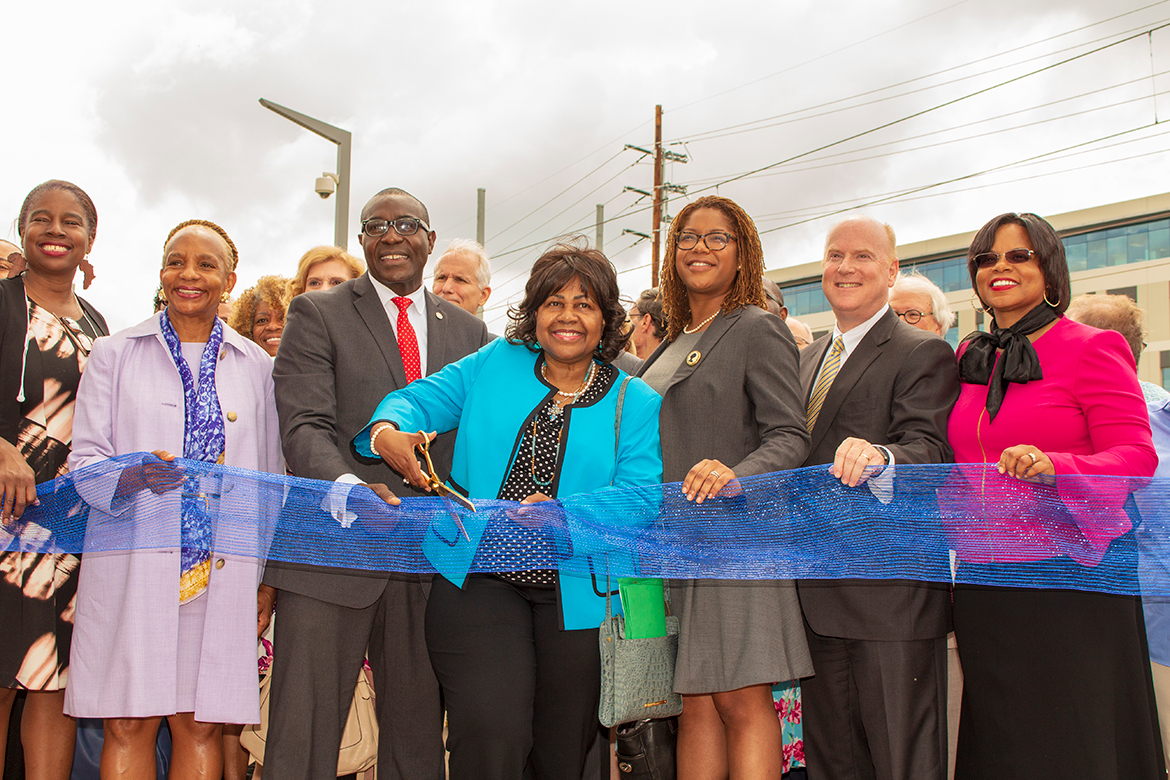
{"x": 383, "y": 493}
{"x": 852, "y": 460}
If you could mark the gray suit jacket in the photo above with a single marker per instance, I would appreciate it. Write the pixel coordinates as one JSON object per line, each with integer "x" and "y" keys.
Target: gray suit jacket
{"x": 338, "y": 358}
{"x": 896, "y": 389}
{"x": 739, "y": 403}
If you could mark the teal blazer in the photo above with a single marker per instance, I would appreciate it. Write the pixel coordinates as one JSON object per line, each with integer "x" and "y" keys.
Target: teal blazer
{"x": 490, "y": 397}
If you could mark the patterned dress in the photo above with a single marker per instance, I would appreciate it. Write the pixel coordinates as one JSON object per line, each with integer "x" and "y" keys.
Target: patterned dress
{"x": 37, "y": 590}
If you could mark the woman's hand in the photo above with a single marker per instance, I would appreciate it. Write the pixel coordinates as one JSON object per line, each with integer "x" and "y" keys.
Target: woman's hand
{"x": 853, "y": 458}
{"x": 397, "y": 449}
{"x": 705, "y": 479}
{"x": 18, "y": 483}
{"x": 265, "y": 601}
{"x": 150, "y": 475}
{"x": 1024, "y": 461}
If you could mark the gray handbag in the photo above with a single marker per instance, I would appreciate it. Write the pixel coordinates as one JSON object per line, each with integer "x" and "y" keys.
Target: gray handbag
{"x": 637, "y": 675}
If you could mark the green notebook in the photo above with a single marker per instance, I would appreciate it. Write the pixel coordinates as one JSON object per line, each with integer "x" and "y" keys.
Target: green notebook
{"x": 644, "y": 607}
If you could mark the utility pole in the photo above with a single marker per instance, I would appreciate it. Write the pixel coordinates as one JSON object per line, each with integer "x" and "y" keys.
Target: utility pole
{"x": 480, "y": 214}
{"x": 600, "y": 227}
{"x": 660, "y": 187}
{"x": 344, "y": 141}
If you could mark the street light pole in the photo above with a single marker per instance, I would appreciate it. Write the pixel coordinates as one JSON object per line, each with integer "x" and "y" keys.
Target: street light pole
{"x": 344, "y": 141}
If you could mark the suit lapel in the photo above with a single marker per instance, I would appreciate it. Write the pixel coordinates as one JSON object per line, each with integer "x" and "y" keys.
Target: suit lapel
{"x": 867, "y": 351}
{"x": 437, "y": 341}
{"x": 373, "y": 313}
{"x": 715, "y": 331}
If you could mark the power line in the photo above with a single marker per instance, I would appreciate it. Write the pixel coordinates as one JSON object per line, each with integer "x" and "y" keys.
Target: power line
{"x": 737, "y": 128}
{"x": 821, "y": 57}
{"x": 923, "y": 188}
{"x": 878, "y": 128}
{"x": 972, "y": 137}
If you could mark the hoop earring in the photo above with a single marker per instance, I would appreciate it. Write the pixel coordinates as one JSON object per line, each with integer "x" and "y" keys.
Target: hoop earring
{"x": 978, "y": 305}
{"x": 1050, "y": 303}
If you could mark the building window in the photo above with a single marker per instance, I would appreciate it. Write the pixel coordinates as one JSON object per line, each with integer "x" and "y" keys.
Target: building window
{"x": 1164, "y": 360}
{"x": 1128, "y": 292}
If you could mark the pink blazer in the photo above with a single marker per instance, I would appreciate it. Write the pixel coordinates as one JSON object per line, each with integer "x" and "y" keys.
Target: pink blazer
{"x": 1089, "y": 416}
{"x": 124, "y": 652}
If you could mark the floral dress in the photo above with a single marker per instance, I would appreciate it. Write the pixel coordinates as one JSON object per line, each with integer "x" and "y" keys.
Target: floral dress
{"x": 37, "y": 590}
{"x": 786, "y": 696}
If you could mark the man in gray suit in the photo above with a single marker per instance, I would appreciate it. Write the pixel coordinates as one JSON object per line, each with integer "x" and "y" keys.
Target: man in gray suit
{"x": 878, "y": 392}
{"x": 342, "y": 350}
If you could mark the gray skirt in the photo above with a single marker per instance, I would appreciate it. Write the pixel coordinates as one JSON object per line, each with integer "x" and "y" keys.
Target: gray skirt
{"x": 735, "y": 633}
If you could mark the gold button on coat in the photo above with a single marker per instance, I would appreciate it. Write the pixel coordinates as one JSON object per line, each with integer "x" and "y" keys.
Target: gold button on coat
{"x": 219, "y": 564}
{"x": 231, "y": 416}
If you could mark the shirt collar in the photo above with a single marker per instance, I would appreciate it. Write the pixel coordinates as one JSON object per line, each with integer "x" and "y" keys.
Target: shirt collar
{"x": 855, "y": 335}
{"x": 418, "y": 299}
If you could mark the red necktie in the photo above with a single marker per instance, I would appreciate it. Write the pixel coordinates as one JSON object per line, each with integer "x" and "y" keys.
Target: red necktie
{"x": 407, "y": 341}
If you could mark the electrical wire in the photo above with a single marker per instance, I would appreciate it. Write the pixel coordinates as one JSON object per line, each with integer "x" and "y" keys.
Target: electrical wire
{"x": 735, "y": 129}
{"x": 923, "y": 188}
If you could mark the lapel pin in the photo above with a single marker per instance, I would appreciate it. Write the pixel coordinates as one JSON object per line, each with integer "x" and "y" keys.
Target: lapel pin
{"x": 694, "y": 358}
{"x": 439, "y": 315}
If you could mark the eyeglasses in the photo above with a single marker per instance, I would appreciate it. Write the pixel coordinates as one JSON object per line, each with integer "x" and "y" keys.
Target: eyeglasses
{"x": 1013, "y": 256}
{"x": 713, "y": 241}
{"x": 403, "y": 226}
{"x": 913, "y": 316}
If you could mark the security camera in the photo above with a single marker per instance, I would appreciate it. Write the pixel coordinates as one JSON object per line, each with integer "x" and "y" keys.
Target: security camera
{"x": 327, "y": 184}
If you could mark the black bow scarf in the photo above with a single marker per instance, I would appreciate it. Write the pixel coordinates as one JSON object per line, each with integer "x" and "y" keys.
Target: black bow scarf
{"x": 1020, "y": 363}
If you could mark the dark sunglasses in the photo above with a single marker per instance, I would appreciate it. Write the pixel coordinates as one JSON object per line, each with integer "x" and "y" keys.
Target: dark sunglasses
{"x": 1013, "y": 256}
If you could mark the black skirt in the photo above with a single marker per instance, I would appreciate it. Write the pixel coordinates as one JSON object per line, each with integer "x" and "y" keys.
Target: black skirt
{"x": 1056, "y": 684}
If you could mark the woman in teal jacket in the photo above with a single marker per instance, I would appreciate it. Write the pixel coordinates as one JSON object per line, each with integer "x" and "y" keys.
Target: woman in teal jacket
{"x": 541, "y": 414}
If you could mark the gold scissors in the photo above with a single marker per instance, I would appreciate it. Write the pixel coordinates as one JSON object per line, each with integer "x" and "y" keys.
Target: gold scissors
{"x": 440, "y": 488}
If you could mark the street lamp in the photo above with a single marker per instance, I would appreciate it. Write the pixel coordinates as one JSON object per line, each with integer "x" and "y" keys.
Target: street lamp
{"x": 344, "y": 141}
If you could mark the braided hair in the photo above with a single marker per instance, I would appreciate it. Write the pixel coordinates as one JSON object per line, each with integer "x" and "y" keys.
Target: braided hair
{"x": 746, "y": 290}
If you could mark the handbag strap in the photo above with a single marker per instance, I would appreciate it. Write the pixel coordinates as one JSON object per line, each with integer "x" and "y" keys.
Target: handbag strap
{"x": 617, "y": 432}
{"x": 617, "y": 418}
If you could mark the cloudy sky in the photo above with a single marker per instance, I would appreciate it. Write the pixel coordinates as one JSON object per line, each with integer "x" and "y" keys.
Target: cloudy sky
{"x": 934, "y": 115}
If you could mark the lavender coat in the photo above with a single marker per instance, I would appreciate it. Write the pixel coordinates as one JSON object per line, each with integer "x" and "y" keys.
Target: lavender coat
{"x": 125, "y": 640}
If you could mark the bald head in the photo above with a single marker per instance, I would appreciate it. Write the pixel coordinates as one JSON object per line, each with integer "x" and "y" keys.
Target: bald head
{"x": 800, "y": 332}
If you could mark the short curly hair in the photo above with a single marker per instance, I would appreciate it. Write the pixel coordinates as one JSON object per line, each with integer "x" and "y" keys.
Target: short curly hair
{"x": 559, "y": 265}
{"x": 267, "y": 288}
{"x": 315, "y": 256}
{"x": 748, "y": 287}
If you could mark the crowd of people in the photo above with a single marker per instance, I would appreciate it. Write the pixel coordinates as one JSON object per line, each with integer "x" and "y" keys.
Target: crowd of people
{"x": 347, "y": 370}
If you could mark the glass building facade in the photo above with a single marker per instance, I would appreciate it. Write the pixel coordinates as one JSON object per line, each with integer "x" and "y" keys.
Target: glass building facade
{"x": 1104, "y": 248}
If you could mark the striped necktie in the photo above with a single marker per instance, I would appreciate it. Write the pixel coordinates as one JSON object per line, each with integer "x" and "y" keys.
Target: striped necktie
{"x": 828, "y": 374}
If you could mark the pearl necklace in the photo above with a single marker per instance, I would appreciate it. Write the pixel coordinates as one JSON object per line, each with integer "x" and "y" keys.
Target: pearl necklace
{"x": 703, "y": 324}
{"x": 592, "y": 372}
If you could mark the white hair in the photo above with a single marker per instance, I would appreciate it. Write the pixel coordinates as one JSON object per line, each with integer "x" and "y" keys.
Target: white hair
{"x": 483, "y": 268}
{"x": 915, "y": 282}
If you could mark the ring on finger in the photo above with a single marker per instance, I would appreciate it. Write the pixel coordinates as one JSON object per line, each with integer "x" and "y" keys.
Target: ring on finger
{"x": 713, "y": 474}
{"x": 1031, "y": 455}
